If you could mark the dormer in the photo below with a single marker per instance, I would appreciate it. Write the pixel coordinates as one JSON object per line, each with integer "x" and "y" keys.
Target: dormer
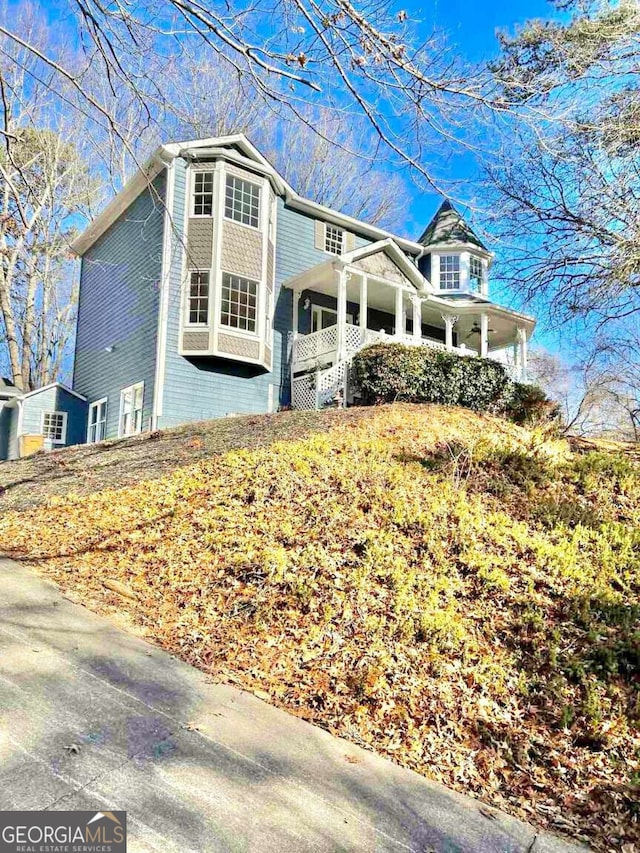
{"x": 455, "y": 260}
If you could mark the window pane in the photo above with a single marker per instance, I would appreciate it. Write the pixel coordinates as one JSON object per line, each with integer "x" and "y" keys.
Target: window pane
{"x": 198, "y": 307}
{"x": 239, "y": 303}
{"x": 53, "y": 426}
{"x": 450, "y": 272}
{"x": 334, "y": 239}
{"x": 242, "y": 201}
{"x": 203, "y": 194}
{"x": 475, "y": 272}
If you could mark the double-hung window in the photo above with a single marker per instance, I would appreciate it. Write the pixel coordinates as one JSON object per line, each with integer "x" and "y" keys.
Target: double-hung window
{"x": 97, "y": 421}
{"x": 242, "y": 201}
{"x": 450, "y": 272}
{"x": 203, "y": 193}
{"x": 239, "y": 303}
{"x": 333, "y": 239}
{"x": 198, "y": 302}
{"x": 131, "y": 400}
{"x": 475, "y": 273}
{"x": 54, "y": 426}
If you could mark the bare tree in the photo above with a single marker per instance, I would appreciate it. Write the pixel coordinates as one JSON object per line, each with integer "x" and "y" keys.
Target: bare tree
{"x": 567, "y": 180}
{"x": 209, "y": 98}
{"x": 371, "y": 62}
{"x": 44, "y": 188}
{"x": 597, "y": 396}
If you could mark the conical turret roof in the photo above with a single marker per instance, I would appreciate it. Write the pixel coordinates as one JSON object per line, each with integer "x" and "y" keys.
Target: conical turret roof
{"x": 448, "y": 227}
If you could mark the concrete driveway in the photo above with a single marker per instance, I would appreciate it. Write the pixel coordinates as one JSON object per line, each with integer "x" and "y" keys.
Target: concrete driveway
{"x": 93, "y": 718}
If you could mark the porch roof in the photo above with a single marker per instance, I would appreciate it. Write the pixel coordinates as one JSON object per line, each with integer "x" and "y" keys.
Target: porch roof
{"x": 323, "y": 279}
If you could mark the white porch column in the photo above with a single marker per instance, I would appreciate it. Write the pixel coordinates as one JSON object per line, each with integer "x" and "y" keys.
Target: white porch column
{"x": 295, "y": 294}
{"x": 364, "y": 281}
{"x": 400, "y": 315}
{"x": 417, "y": 317}
{"x": 449, "y": 322}
{"x": 484, "y": 335}
{"x": 294, "y": 323}
{"x": 522, "y": 346}
{"x": 342, "y": 312}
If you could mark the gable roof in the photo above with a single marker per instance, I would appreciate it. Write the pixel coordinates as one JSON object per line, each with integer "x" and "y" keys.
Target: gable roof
{"x": 449, "y": 227}
{"x": 390, "y": 248}
{"x": 54, "y": 385}
{"x": 7, "y": 388}
{"x": 239, "y": 149}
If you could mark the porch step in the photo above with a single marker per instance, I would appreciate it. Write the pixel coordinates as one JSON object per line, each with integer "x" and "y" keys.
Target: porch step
{"x": 320, "y": 388}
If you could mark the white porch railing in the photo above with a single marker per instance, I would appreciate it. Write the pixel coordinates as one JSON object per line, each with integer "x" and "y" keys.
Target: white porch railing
{"x": 320, "y": 386}
{"x": 312, "y": 350}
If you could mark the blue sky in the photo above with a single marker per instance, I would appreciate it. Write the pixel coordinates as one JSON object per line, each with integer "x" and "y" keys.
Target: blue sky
{"x": 472, "y": 26}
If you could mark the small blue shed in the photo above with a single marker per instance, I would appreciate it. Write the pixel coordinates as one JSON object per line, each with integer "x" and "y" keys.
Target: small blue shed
{"x": 47, "y": 418}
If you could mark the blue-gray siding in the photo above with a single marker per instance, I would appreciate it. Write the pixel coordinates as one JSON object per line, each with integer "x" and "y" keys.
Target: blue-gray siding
{"x": 118, "y": 307}
{"x": 196, "y": 389}
{"x": 55, "y": 399}
{"x": 295, "y": 253}
{"x": 202, "y": 388}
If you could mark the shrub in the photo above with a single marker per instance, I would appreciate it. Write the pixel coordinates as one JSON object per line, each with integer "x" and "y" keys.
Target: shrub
{"x": 385, "y": 373}
{"x": 528, "y": 404}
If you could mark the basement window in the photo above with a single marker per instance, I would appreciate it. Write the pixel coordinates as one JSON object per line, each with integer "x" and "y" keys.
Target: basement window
{"x": 97, "y": 421}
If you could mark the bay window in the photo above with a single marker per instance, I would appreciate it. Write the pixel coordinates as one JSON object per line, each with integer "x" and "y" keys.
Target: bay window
{"x": 242, "y": 201}
{"x": 198, "y": 302}
{"x": 203, "y": 193}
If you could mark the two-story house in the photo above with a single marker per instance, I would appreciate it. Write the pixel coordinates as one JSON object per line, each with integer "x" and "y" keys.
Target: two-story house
{"x": 209, "y": 287}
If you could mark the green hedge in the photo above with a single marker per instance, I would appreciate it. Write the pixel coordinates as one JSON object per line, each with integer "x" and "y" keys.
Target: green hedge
{"x": 384, "y": 373}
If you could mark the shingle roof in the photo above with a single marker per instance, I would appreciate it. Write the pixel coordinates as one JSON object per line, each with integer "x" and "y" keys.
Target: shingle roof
{"x": 448, "y": 226}
{"x": 7, "y": 386}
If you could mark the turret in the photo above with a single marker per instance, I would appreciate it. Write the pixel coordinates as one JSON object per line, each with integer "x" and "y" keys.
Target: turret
{"x": 456, "y": 260}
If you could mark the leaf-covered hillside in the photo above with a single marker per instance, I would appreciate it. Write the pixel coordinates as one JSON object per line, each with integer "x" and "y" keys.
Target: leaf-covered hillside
{"x": 452, "y": 591}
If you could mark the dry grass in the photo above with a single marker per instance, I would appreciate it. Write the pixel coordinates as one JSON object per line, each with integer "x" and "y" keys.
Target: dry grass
{"x": 87, "y": 468}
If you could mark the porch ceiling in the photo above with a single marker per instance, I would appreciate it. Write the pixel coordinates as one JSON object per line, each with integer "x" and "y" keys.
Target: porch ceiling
{"x": 323, "y": 279}
{"x": 503, "y": 325}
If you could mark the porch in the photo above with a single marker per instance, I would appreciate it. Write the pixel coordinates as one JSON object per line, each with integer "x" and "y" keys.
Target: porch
{"x": 375, "y": 294}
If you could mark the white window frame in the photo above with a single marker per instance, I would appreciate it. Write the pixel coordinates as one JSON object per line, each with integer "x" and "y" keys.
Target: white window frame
{"x": 256, "y": 315}
{"x": 63, "y": 432}
{"x": 195, "y": 172}
{"x": 333, "y": 242}
{"x": 229, "y": 176}
{"x": 96, "y": 405}
{"x": 451, "y": 272}
{"x": 475, "y": 259}
{"x": 132, "y": 389}
{"x": 187, "y": 307}
{"x": 316, "y": 316}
